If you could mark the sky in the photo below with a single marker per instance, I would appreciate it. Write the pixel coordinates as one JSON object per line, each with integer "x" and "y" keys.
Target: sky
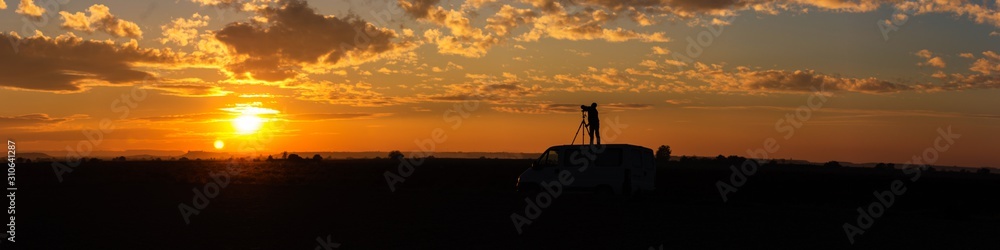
{"x": 846, "y": 80}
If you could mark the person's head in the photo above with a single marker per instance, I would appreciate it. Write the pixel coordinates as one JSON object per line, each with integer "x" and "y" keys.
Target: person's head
{"x": 593, "y": 105}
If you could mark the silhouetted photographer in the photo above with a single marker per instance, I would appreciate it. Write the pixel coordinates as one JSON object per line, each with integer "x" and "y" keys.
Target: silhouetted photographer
{"x": 593, "y": 122}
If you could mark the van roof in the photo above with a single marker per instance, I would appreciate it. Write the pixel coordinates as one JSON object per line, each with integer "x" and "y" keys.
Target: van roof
{"x": 608, "y": 145}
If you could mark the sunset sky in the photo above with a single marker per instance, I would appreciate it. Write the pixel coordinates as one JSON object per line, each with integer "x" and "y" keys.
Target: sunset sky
{"x": 705, "y": 77}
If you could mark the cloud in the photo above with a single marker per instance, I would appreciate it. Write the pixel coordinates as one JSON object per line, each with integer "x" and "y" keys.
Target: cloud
{"x": 807, "y": 81}
{"x": 294, "y": 36}
{"x": 556, "y": 22}
{"x": 933, "y": 61}
{"x": 981, "y": 13}
{"x": 510, "y": 89}
{"x": 988, "y": 64}
{"x": 100, "y": 19}
{"x": 857, "y": 113}
{"x": 418, "y": 8}
{"x": 958, "y": 82}
{"x": 679, "y": 101}
{"x": 239, "y": 5}
{"x": 462, "y": 39}
{"x": 778, "y": 81}
{"x": 69, "y": 63}
{"x": 209, "y": 117}
{"x": 579, "y": 53}
{"x": 182, "y": 31}
{"x": 335, "y": 116}
{"x": 28, "y": 8}
{"x": 36, "y": 120}
{"x": 987, "y": 77}
{"x": 550, "y": 108}
{"x": 359, "y": 94}
{"x": 508, "y": 18}
{"x": 978, "y": 13}
{"x": 188, "y": 88}
{"x": 450, "y": 66}
{"x": 657, "y": 50}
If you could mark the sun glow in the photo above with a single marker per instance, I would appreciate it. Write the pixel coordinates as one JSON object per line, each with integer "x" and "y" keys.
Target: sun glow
{"x": 219, "y": 144}
{"x": 247, "y": 123}
{"x": 250, "y": 117}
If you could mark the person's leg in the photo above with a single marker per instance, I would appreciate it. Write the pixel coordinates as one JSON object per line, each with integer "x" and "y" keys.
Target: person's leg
{"x": 597, "y": 132}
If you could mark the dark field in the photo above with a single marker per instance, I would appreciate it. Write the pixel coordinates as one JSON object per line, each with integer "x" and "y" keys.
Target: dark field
{"x": 467, "y": 204}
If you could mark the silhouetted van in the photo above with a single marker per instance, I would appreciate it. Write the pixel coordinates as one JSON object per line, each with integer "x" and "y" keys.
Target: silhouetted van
{"x": 608, "y": 168}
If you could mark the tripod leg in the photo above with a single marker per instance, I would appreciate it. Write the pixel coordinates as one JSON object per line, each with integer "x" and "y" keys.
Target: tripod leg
{"x": 582, "y": 125}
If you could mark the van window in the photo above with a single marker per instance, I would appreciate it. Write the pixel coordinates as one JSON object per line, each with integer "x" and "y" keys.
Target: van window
{"x": 611, "y": 157}
{"x": 551, "y": 158}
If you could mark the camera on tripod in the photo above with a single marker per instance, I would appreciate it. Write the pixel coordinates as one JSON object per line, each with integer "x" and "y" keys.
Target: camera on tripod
{"x": 594, "y": 131}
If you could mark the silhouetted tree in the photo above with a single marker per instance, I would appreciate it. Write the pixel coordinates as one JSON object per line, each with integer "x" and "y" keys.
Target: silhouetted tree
{"x": 890, "y": 165}
{"x": 736, "y": 159}
{"x": 983, "y": 171}
{"x": 183, "y": 159}
{"x": 663, "y": 154}
{"x": 832, "y": 164}
{"x": 284, "y": 155}
{"x": 396, "y": 155}
{"x": 294, "y": 157}
{"x": 880, "y": 165}
{"x": 317, "y": 157}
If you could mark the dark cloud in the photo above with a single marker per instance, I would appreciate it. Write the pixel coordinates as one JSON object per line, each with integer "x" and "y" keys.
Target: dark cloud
{"x": 418, "y": 8}
{"x": 35, "y": 120}
{"x": 68, "y": 63}
{"x": 295, "y": 35}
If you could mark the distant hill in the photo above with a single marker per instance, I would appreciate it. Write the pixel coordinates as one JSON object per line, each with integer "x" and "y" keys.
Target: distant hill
{"x": 140, "y": 153}
{"x": 34, "y": 156}
{"x": 205, "y": 155}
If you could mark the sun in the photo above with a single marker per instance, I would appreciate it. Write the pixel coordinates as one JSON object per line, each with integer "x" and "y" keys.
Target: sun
{"x": 247, "y": 123}
{"x": 219, "y": 144}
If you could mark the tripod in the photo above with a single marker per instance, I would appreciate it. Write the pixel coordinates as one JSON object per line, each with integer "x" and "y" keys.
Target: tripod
{"x": 579, "y": 130}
